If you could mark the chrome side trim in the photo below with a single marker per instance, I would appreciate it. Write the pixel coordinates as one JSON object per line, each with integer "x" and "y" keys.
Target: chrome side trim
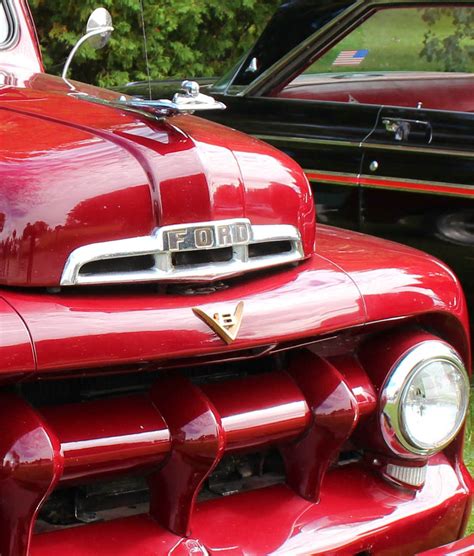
{"x": 365, "y": 144}
{"x": 408, "y": 181}
{"x": 416, "y": 149}
{"x": 310, "y": 140}
{"x": 163, "y": 268}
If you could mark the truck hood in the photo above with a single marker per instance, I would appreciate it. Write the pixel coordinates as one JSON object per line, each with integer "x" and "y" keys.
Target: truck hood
{"x": 74, "y": 173}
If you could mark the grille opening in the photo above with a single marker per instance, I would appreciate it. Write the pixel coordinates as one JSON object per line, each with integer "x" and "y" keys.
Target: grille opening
{"x": 106, "y": 500}
{"x": 126, "y": 496}
{"x": 180, "y": 259}
{"x": 85, "y": 388}
{"x": 187, "y": 258}
{"x": 122, "y": 264}
{"x": 269, "y": 248}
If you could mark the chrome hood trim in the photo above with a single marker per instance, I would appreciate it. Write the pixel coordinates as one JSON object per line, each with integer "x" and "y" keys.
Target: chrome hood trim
{"x": 161, "y": 250}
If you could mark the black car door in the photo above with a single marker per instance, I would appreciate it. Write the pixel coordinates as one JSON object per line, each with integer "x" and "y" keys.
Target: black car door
{"x": 417, "y": 184}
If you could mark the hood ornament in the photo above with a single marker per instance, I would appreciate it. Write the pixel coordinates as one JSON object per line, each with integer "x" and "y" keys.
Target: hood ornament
{"x": 186, "y": 102}
{"x": 191, "y": 99}
{"x": 224, "y": 323}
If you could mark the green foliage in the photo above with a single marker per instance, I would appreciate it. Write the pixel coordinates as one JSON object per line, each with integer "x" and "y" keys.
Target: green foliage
{"x": 469, "y": 453}
{"x": 454, "y": 50}
{"x": 185, "y": 38}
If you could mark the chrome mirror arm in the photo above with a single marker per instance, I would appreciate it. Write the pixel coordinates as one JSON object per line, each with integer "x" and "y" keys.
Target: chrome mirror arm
{"x": 80, "y": 42}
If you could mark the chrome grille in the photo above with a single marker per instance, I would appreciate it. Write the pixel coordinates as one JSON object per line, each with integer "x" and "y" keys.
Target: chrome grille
{"x": 197, "y": 252}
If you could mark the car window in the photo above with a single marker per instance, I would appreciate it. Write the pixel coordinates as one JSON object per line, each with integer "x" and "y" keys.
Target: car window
{"x": 398, "y": 56}
{"x": 6, "y": 24}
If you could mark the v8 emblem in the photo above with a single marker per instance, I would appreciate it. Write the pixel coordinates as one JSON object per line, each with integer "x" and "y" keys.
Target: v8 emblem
{"x": 224, "y": 323}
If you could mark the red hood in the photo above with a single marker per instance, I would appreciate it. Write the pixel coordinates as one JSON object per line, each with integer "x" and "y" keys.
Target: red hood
{"x": 75, "y": 173}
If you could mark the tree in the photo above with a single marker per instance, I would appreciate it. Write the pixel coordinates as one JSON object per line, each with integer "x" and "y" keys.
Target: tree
{"x": 185, "y": 38}
{"x": 449, "y": 41}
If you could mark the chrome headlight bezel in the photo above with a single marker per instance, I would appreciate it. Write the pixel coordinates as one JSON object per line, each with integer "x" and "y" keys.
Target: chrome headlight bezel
{"x": 396, "y": 387}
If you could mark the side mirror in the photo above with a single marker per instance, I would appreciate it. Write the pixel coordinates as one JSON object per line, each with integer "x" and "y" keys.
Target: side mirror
{"x": 98, "y": 31}
{"x": 99, "y": 28}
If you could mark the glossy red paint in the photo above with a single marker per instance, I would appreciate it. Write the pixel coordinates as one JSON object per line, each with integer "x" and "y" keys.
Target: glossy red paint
{"x": 24, "y": 56}
{"x": 16, "y": 351}
{"x": 77, "y": 173}
{"x": 259, "y": 410}
{"x": 379, "y": 358}
{"x": 198, "y": 444}
{"x": 462, "y": 547}
{"x": 31, "y": 467}
{"x": 335, "y": 414}
{"x": 360, "y": 384}
{"x": 357, "y": 509}
{"x": 95, "y": 441}
{"x": 399, "y": 281}
{"x": 352, "y": 280}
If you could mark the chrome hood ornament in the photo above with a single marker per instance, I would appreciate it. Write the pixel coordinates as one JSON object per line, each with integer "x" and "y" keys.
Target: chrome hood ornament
{"x": 188, "y": 101}
{"x": 226, "y": 324}
{"x": 191, "y": 98}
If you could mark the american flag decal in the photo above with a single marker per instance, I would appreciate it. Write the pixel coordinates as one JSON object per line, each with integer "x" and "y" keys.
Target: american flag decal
{"x": 350, "y": 57}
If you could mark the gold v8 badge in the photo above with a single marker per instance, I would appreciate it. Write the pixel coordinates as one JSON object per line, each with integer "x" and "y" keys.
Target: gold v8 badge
{"x": 226, "y": 324}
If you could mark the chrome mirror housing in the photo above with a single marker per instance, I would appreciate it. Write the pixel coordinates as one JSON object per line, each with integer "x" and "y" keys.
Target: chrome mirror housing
{"x": 98, "y": 31}
{"x": 99, "y": 28}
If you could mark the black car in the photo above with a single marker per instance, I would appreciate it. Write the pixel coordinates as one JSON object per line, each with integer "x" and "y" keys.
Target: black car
{"x": 375, "y": 99}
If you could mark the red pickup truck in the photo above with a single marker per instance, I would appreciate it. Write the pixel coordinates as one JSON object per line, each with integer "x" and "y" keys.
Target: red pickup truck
{"x": 189, "y": 364}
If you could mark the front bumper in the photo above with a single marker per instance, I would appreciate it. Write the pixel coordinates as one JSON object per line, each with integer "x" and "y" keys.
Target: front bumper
{"x": 358, "y": 513}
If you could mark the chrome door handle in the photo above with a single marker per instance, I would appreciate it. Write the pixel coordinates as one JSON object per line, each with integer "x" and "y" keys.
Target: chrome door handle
{"x": 401, "y": 128}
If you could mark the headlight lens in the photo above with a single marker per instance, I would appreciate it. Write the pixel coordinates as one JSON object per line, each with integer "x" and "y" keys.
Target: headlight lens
{"x": 425, "y": 399}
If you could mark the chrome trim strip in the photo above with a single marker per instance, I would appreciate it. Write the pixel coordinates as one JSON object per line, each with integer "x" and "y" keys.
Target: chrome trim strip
{"x": 389, "y": 179}
{"x": 366, "y": 145}
{"x": 163, "y": 268}
{"x": 310, "y": 140}
{"x": 421, "y": 150}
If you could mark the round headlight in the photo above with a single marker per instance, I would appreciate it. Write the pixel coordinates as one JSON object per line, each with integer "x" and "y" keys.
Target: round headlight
{"x": 424, "y": 400}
